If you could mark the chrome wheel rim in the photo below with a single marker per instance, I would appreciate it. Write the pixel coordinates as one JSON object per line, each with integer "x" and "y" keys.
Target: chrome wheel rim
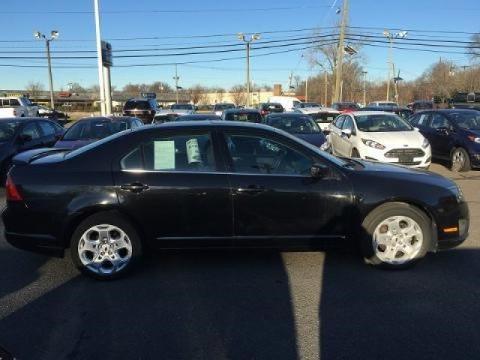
{"x": 397, "y": 240}
{"x": 458, "y": 160}
{"x": 105, "y": 249}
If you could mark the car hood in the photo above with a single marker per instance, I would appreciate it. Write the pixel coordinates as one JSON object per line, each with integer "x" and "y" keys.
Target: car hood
{"x": 315, "y": 139}
{"x": 72, "y": 144}
{"x": 394, "y": 139}
{"x": 385, "y": 171}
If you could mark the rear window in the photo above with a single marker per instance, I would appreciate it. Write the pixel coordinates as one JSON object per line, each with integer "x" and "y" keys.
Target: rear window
{"x": 249, "y": 117}
{"x": 223, "y": 106}
{"x": 95, "y": 130}
{"x": 272, "y": 107}
{"x": 181, "y": 107}
{"x": 7, "y": 130}
{"x": 137, "y": 104}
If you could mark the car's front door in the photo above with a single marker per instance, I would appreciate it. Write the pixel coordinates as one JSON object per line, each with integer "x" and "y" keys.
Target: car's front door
{"x": 440, "y": 137}
{"x": 171, "y": 185}
{"x": 335, "y": 134}
{"x": 276, "y": 201}
{"x": 345, "y": 141}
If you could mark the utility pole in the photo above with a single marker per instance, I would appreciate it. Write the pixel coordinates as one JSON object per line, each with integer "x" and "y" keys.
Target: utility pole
{"x": 339, "y": 69}
{"x": 306, "y": 90}
{"x": 364, "y": 73}
{"x": 176, "y": 78}
{"x": 391, "y": 68}
{"x": 248, "y": 41}
{"x": 53, "y": 35}
{"x": 99, "y": 58}
{"x": 326, "y": 86}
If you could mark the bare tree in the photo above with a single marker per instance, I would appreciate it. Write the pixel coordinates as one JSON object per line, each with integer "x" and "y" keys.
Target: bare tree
{"x": 34, "y": 88}
{"x": 198, "y": 94}
{"x": 239, "y": 95}
{"x": 474, "y": 47}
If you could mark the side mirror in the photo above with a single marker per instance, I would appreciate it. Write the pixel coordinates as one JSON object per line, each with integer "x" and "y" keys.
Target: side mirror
{"x": 24, "y": 138}
{"x": 347, "y": 132}
{"x": 319, "y": 171}
{"x": 443, "y": 130}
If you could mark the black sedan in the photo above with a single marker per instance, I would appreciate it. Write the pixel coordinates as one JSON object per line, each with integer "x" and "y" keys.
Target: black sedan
{"x": 300, "y": 125}
{"x": 21, "y": 134}
{"x": 223, "y": 184}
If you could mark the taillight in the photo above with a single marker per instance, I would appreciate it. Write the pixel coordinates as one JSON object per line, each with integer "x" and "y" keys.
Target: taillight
{"x": 11, "y": 190}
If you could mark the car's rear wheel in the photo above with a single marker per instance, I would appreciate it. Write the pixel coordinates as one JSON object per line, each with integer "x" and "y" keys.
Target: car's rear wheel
{"x": 460, "y": 161}
{"x": 396, "y": 235}
{"x": 105, "y": 246}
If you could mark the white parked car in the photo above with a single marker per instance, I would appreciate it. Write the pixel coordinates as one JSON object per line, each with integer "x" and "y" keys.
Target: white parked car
{"x": 379, "y": 136}
{"x": 17, "y": 107}
{"x": 288, "y": 102}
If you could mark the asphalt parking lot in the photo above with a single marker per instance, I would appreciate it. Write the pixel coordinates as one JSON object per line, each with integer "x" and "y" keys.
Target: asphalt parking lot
{"x": 247, "y": 305}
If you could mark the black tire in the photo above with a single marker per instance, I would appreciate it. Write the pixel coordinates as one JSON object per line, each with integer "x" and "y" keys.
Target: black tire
{"x": 383, "y": 212}
{"x": 111, "y": 218}
{"x": 460, "y": 160}
{"x": 355, "y": 154}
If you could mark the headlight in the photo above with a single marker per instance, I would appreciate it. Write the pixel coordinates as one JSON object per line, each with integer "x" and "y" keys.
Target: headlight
{"x": 425, "y": 143}
{"x": 373, "y": 144}
{"x": 458, "y": 193}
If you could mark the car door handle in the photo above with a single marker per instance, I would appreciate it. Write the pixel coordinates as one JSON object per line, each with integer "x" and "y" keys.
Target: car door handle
{"x": 135, "y": 187}
{"x": 251, "y": 190}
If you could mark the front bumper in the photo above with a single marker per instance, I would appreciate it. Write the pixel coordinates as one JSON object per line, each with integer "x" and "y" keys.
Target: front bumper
{"x": 421, "y": 162}
{"x": 456, "y": 217}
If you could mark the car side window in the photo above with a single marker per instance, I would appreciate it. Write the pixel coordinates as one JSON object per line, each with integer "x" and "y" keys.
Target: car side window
{"x": 31, "y": 130}
{"x": 338, "y": 123}
{"x": 47, "y": 128}
{"x": 414, "y": 120}
{"x": 256, "y": 154}
{"x": 348, "y": 124}
{"x": 439, "y": 121}
{"x": 180, "y": 152}
{"x": 423, "y": 119}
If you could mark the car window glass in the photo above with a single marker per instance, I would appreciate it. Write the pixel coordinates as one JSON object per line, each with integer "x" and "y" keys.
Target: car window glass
{"x": 339, "y": 122}
{"x": 439, "y": 121}
{"x": 348, "y": 123}
{"x": 32, "y": 130}
{"x": 183, "y": 152}
{"x": 14, "y": 102}
{"x": 47, "y": 128}
{"x": 262, "y": 155}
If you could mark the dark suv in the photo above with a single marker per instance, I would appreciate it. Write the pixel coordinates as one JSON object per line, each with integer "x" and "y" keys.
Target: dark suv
{"x": 143, "y": 109}
{"x": 454, "y": 135}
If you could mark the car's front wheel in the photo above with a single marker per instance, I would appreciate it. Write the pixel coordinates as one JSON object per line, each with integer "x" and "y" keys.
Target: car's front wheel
{"x": 460, "y": 161}
{"x": 396, "y": 235}
{"x": 105, "y": 246}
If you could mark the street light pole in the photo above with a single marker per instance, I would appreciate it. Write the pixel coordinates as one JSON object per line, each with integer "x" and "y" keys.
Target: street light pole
{"x": 176, "y": 78}
{"x": 53, "y": 35}
{"x": 101, "y": 82}
{"x": 248, "y": 41}
{"x": 339, "y": 70}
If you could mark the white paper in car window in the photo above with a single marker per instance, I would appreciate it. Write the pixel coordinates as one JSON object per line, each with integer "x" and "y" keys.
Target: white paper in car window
{"x": 193, "y": 151}
{"x": 164, "y": 155}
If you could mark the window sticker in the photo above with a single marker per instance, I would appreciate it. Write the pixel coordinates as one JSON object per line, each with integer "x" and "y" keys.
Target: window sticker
{"x": 164, "y": 155}
{"x": 193, "y": 151}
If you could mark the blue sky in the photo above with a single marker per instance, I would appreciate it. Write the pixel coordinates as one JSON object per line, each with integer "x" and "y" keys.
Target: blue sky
{"x": 77, "y": 33}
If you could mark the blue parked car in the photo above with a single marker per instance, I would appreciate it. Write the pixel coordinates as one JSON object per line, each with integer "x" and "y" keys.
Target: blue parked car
{"x": 299, "y": 125}
{"x": 454, "y": 135}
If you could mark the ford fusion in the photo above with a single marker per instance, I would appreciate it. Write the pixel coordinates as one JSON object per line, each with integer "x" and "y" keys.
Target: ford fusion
{"x": 217, "y": 184}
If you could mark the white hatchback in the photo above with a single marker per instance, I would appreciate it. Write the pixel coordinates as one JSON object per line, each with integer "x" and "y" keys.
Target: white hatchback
{"x": 379, "y": 136}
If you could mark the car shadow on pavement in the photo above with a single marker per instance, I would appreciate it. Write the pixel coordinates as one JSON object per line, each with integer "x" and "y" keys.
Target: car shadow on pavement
{"x": 213, "y": 305}
{"x": 430, "y": 311}
{"x": 16, "y": 264}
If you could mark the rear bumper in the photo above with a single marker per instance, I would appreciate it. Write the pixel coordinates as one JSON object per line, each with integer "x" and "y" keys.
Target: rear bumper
{"x": 42, "y": 244}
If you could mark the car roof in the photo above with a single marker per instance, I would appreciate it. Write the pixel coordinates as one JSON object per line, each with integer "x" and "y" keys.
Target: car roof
{"x": 447, "y": 111}
{"x": 228, "y": 111}
{"x": 363, "y": 113}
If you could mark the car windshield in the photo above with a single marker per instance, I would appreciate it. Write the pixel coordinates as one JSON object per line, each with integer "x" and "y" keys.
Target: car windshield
{"x": 244, "y": 116}
{"x": 294, "y": 125}
{"x": 137, "y": 104}
{"x": 224, "y": 106}
{"x": 7, "y": 130}
{"x": 94, "y": 130}
{"x": 381, "y": 123}
{"x": 467, "y": 121}
{"x": 181, "y": 107}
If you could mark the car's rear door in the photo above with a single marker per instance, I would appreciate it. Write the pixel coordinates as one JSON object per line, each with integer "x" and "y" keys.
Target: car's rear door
{"x": 276, "y": 201}
{"x": 172, "y": 184}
